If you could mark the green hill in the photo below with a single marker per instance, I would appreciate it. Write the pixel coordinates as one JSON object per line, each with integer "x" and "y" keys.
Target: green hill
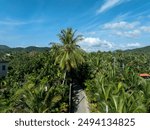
{"x": 140, "y": 50}
{"x": 6, "y": 49}
{"x": 33, "y": 48}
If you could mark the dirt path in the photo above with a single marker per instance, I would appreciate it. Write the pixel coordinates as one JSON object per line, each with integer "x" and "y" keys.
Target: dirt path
{"x": 79, "y": 100}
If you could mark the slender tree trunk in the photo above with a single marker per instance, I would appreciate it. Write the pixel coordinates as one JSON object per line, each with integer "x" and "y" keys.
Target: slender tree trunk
{"x": 70, "y": 97}
{"x": 64, "y": 78}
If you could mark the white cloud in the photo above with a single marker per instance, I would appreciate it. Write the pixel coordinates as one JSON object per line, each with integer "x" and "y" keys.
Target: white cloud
{"x": 108, "y": 4}
{"x": 129, "y": 29}
{"x": 120, "y": 25}
{"x": 133, "y": 33}
{"x": 126, "y": 29}
{"x": 122, "y": 16}
{"x": 91, "y": 41}
{"x": 96, "y": 42}
{"x": 125, "y": 46}
{"x": 145, "y": 28}
{"x": 133, "y": 45}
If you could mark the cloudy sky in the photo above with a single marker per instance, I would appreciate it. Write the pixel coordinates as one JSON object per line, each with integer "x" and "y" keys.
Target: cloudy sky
{"x": 105, "y": 24}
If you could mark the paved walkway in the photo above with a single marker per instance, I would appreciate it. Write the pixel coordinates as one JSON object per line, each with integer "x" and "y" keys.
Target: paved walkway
{"x": 79, "y": 100}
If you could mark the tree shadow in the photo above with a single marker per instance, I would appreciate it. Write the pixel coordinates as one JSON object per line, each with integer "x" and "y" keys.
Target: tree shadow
{"x": 75, "y": 97}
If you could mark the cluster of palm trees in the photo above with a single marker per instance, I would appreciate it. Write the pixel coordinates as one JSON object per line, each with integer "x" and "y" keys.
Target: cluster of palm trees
{"x": 41, "y": 82}
{"x": 115, "y": 84}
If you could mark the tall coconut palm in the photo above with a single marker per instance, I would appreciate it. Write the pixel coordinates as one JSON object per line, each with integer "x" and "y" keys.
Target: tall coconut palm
{"x": 70, "y": 55}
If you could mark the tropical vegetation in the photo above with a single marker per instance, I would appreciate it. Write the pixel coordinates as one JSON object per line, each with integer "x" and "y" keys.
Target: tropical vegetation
{"x": 39, "y": 81}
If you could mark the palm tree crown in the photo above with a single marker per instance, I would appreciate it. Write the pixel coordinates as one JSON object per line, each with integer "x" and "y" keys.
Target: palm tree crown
{"x": 70, "y": 54}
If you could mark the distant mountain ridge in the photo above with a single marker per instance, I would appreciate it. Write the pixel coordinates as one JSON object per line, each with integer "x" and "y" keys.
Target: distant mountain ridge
{"x": 140, "y": 50}
{"x": 4, "y": 48}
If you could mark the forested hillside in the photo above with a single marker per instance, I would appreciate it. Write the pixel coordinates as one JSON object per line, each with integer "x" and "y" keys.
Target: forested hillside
{"x": 6, "y": 49}
{"x": 40, "y": 81}
{"x": 140, "y": 50}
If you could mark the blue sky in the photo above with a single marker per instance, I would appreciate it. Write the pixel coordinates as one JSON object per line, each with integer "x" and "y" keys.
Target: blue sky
{"x": 105, "y": 24}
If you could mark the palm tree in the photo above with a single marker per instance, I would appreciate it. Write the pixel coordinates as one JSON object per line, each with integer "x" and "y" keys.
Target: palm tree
{"x": 35, "y": 98}
{"x": 70, "y": 55}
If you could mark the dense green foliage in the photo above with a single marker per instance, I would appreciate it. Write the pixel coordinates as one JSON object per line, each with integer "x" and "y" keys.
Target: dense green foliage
{"x": 115, "y": 84}
{"x": 33, "y": 84}
{"x": 40, "y": 81}
{"x": 36, "y": 80}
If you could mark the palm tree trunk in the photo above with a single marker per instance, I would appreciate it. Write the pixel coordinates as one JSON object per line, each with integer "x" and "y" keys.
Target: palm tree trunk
{"x": 70, "y": 97}
{"x": 64, "y": 78}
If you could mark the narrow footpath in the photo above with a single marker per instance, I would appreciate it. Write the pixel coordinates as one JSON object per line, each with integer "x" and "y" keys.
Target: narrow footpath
{"x": 79, "y": 100}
